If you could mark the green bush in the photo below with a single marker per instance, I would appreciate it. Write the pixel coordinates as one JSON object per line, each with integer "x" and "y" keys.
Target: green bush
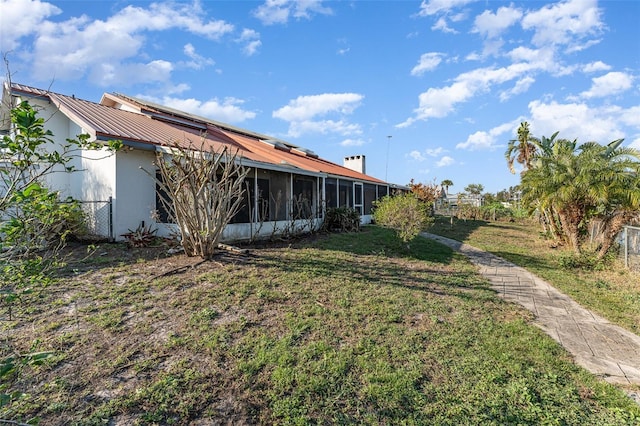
{"x": 40, "y": 220}
{"x": 519, "y": 213}
{"x": 405, "y": 213}
{"x": 587, "y": 260}
{"x": 495, "y": 211}
{"x": 342, "y": 219}
{"x": 468, "y": 211}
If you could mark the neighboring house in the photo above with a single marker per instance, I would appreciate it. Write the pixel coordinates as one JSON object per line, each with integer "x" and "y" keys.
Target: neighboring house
{"x": 294, "y": 186}
{"x": 453, "y": 200}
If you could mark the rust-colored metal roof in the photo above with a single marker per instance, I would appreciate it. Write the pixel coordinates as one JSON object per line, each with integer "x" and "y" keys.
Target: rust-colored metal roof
{"x": 167, "y": 126}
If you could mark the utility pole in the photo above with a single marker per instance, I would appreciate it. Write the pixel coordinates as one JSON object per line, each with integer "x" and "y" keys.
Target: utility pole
{"x": 386, "y": 169}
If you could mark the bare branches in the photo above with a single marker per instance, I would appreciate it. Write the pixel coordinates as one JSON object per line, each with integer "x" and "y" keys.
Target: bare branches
{"x": 202, "y": 189}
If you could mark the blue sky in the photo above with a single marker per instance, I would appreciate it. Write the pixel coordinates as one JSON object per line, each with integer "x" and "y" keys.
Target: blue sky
{"x": 427, "y": 90}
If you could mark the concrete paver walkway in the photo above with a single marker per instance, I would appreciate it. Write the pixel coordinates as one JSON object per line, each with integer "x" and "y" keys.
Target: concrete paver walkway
{"x": 604, "y": 349}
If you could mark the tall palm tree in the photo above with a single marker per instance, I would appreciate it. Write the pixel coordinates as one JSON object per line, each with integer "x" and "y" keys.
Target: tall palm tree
{"x": 446, "y": 183}
{"x": 522, "y": 149}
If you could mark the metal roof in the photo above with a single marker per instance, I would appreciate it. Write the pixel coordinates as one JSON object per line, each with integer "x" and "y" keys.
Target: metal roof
{"x": 155, "y": 125}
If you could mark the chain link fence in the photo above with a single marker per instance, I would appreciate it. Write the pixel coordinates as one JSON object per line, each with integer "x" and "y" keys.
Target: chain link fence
{"x": 630, "y": 247}
{"x": 99, "y": 217}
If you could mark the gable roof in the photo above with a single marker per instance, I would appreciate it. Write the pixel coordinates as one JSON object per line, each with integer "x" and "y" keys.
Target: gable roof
{"x": 146, "y": 125}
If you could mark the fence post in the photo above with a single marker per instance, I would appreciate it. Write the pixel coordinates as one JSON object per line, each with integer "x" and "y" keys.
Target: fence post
{"x": 111, "y": 237}
{"x": 626, "y": 247}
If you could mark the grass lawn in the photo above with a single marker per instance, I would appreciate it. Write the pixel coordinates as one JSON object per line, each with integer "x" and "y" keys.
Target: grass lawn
{"x": 339, "y": 329}
{"x": 613, "y": 292}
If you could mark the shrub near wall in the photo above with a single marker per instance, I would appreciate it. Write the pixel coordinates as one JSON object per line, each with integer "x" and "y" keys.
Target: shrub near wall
{"x": 342, "y": 219}
{"x": 405, "y": 213}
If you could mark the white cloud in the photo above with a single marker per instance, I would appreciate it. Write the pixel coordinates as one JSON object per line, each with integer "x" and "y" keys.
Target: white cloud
{"x": 434, "y": 152}
{"x": 432, "y": 7}
{"x": 442, "y": 25}
{"x": 492, "y": 25}
{"x": 445, "y": 161}
{"x": 428, "y": 61}
{"x": 578, "y": 47}
{"x": 164, "y": 16}
{"x": 521, "y": 86}
{"x": 417, "y": 155}
{"x": 564, "y": 23}
{"x": 582, "y": 122}
{"x": 608, "y": 84}
{"x": 21, "y": 18}
{"x": 440, "y": 102}
{"x": 279, "y": 11}
{"x": 429, "y": 152}
{"x": 306, "y": 107}
{"x": 197, "y": 61}
{"x": 631, "y": 117}
{"x": 251, "y": 40}
{"x": 596, "y": 66}
{"x": 228, "y": 110}
{"x": 127, "y": 75}
{"x": 352, "y": 142}
{"x": 305, "y": 114}
{"x": 341, "y": 127}
{"x": 473, "y": 56}
{"x": 81, "y": 46}
{"x": 443, "y": 8}
{"x": 481, "y": 140}
{"x": 635, "y": 143}
{"x": 252, "y": 47}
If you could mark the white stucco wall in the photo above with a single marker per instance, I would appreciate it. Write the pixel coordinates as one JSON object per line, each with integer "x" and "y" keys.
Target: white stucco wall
{"x": 61, "y": 128}
{"x": 134, "y": 198}
{"x": 96, "y": 180}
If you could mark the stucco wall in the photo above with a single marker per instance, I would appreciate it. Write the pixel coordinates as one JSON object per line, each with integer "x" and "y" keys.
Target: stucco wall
{"x": 60, "y": 126}
{"x": 134, "y": 197}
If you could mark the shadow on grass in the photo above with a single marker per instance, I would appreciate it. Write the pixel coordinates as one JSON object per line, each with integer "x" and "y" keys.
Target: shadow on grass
{"x": 377, "y": 257}
{"x": 378, "y": 241}
{"x": 457, "y": 229}
{"x": 525, "y": 261}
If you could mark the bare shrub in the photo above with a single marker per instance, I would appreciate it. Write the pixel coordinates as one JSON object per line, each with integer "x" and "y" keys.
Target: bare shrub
{"x": 203, "y": 190}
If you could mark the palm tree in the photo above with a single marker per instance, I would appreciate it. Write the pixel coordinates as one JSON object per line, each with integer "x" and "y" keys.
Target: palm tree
{"x": 523, "y": 149}
{"x": 616, "y": 188}
{"x": 571, "y": 185}
{"x": 446, "y": 183}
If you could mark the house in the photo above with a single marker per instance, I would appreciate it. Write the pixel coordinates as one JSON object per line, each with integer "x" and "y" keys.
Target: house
{"x": 447, "y": 201}
{"x": 121, "y": 196}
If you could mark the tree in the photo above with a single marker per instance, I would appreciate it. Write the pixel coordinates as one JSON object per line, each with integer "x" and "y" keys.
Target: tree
{"x": 405, "y": 213}
{"x": 572, "y": 185}
{"x": 489, "y": 198}
{"x": 474, "y": 189}
{"x": 204, "y": 190}
{"x": 427, "y": 193}
{"x": 522, "y": 149}
{"x": 503, "y": 195}
{"x": 33, "y": 218}
{"x": 446, "y": 184}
